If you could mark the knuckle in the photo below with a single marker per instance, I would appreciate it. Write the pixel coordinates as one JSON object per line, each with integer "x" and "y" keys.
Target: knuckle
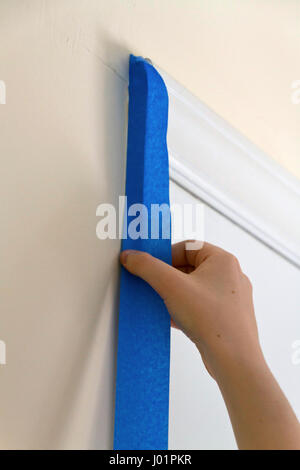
{"x": 231, "y": 263}
{"x": 247, "y": 280}
{"x": 229, "y": 258}
{"x": 234, "y": 259}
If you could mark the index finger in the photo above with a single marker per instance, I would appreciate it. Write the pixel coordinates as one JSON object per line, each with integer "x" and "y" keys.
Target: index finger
{"x": 183, "y": 253}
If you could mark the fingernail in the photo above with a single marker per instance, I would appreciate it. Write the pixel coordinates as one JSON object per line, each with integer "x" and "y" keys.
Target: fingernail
{"x": 124, "y": 255}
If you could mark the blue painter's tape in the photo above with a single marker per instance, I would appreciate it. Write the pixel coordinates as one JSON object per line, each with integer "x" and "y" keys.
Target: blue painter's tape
{"x": 143, "y": 361}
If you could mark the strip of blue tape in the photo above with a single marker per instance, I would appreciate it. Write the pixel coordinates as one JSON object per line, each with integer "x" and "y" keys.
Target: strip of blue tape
{"x": 143, "y": 360}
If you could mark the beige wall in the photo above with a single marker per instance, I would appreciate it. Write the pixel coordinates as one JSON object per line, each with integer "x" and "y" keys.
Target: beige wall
{"x": 238, "y": 56}
{"x": 62, "y": 150}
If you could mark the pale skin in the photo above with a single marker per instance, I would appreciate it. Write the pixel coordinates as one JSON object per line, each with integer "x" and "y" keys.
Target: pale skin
{"x": 210, "y": 299}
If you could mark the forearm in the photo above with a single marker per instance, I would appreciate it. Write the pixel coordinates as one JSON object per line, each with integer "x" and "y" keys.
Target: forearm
{"x": 261, "y": 416}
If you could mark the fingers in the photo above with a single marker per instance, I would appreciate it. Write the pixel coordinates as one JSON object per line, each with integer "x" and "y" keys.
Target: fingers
{"x": 162, "y": 277}
{"x": 183, "y": 255}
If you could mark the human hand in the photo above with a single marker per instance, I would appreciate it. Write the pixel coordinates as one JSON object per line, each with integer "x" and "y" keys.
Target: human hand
{"x": 208, "y": 297}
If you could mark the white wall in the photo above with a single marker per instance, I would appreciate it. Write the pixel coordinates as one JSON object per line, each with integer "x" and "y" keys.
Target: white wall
{"x": 198, "y": 416}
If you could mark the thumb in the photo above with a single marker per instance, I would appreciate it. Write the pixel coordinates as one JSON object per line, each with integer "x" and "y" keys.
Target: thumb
{"x": 164, "y": 279}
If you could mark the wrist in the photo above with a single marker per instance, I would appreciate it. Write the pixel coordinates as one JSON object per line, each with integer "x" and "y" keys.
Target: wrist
{"x": 230, "y": 363}
{"x": 241, "y": 367}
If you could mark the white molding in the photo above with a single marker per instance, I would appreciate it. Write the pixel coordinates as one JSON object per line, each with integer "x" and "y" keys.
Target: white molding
{"x": 213, "y": 161}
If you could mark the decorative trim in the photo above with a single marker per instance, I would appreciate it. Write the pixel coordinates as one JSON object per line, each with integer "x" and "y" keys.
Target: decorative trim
{"x": 217, "y": 164}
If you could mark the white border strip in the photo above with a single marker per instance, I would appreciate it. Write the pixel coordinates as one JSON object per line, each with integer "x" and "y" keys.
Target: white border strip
{"x": 213, "y": 161}
{"x": 215, "y": 199}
